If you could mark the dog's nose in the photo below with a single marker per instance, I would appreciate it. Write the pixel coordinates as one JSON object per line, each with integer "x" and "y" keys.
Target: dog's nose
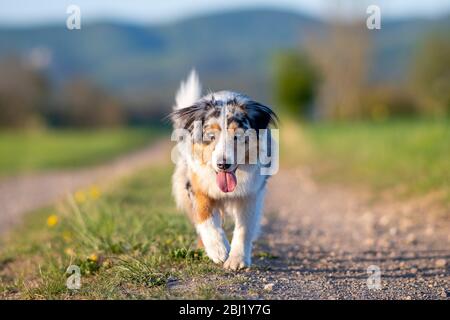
{"x": 223, "y": 165}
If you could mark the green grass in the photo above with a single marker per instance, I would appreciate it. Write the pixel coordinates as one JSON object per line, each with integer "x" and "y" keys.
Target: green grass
{"x": 25, "y": 151}
{"x": 410, "y": 157}
{"x": 130, "y": 243}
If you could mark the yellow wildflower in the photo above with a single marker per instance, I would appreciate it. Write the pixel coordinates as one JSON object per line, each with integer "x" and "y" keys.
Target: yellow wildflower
{"x": 94, "y": 192}
{"x": 52, "y": 220}
{"x": 80, "y": 197}
{"x": 93, "y": 257}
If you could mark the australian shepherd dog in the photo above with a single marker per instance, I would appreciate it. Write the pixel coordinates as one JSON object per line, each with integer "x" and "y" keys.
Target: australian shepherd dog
{"x": 224, "y": 155}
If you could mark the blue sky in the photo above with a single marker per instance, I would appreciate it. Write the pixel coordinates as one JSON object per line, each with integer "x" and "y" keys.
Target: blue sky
{"x": 26, "y": 12}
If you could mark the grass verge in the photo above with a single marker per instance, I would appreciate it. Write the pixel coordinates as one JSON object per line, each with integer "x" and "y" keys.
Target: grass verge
{"x": 25, "y": 151}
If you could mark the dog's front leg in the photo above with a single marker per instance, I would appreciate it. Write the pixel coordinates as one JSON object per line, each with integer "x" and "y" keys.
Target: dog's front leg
{"x": 247, "y": 215}
{"x": 209, "y": 227}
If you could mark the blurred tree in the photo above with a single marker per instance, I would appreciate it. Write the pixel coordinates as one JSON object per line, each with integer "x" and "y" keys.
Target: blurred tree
{"x": 295, "y": 82}
{"x": 82, "y": 104}
{"x": 24, "y": 93}
{"x": 431, "y": 75}
{"x": 342, "y": 57}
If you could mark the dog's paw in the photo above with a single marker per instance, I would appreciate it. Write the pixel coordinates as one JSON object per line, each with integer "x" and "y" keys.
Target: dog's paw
{"x": 236, "y": 263}
{"x": 217, "y": 253}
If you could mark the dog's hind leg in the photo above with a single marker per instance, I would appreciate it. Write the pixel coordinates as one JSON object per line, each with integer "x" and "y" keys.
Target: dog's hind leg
{"x": 208, "y": 224}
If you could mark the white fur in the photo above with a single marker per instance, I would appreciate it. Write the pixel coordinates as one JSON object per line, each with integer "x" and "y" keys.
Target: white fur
{"x": 214, "y": 238}
{"x": 189, "y": 92}
{"x": 247, "y": 219}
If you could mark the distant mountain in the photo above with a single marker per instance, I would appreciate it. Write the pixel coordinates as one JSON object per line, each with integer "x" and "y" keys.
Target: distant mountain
{"x": 231, "y": 50}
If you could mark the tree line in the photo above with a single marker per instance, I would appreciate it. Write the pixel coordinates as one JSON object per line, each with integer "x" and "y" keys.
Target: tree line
{"x": 329, "y": 78}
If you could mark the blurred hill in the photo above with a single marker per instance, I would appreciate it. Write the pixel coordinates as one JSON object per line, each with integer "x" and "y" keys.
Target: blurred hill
{"x": 232, "y": 50}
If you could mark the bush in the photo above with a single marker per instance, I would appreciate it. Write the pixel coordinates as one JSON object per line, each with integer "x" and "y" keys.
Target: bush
{"x": 295, "y": 82}
{"x": 23, "y": 93}
{"x": 81, "y": 104}
{"x": 379, "y": 103}
{"x": 431, "y": 75}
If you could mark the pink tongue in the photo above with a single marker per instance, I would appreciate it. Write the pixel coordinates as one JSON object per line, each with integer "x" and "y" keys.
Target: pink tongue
{"x": 226, "y": 181}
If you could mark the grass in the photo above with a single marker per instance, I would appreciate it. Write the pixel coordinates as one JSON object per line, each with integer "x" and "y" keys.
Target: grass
{"x": 129, "y": 242}
{"x": 29, "y": 151}
{"x": 407, "y": 157}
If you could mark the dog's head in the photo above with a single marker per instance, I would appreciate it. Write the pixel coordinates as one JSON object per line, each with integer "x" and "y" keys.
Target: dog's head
{"x": 224, "y": 127}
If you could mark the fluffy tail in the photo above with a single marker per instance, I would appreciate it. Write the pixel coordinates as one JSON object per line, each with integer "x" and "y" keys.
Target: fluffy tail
{"x": 190, "y": 91}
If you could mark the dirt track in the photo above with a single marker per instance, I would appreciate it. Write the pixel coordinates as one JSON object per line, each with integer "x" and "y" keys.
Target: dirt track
{"x": 324, "y": 239}
{"x": 19, "y": 195}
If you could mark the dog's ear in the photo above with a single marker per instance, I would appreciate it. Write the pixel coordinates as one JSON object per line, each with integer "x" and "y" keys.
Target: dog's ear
{"x": 260, "y": 116}
{"x": 183, "y": 118}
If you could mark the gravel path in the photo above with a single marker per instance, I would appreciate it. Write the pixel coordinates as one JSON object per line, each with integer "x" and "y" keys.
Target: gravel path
{"x": 325, "y": 238}
{"x": 19, "y": 195}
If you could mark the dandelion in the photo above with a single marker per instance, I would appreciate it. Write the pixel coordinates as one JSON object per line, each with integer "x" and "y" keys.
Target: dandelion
{"x": 80, "y": 197}
{"x": 94, "y": 192}
{"x": 52, "y": 220}
{"x": 69, "y": 251}
{"x": 93, "y": 257}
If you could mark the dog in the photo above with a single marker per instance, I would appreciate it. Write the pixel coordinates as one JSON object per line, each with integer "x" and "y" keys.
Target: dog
{"x": 216, "y": 171}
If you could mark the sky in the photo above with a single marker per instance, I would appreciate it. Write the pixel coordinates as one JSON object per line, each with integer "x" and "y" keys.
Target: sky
{"x": 32, "y": 12}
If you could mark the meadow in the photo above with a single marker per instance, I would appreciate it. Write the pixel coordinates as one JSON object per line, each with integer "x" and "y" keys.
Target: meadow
{"x": 38, "y": 150}
{"x": 408, "y": 158}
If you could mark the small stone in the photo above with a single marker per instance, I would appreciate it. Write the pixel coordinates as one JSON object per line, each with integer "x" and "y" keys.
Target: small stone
{"x": 393, "y": 231}
{"x": 429, "y": 231}
{"x": 411, "y": 239}
{"x": 269, "y": 287}
{"x": 440, "y": 263}
{"x": 384, "y": 221}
